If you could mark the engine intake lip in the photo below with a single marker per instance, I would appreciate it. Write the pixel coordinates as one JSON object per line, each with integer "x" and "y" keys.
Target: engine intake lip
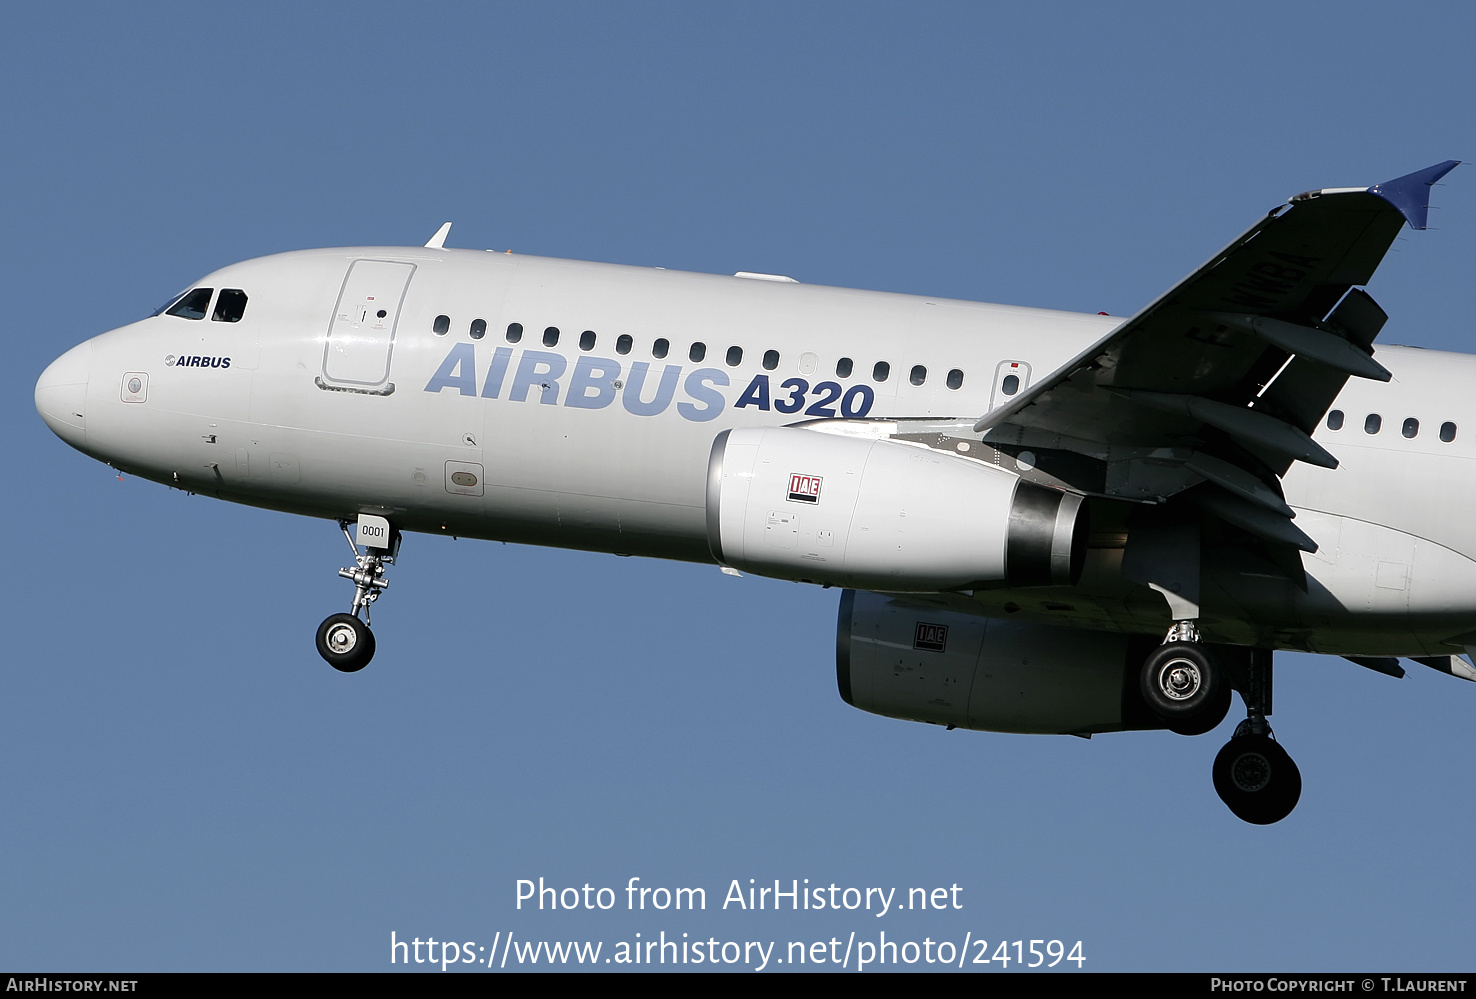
{"x": 714, "y": 496}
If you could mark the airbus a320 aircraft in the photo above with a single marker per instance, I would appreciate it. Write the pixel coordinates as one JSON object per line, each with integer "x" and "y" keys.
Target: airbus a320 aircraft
{"x": 1040, "y": 521}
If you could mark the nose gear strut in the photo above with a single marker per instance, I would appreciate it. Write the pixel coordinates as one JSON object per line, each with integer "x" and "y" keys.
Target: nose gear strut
{"x": 344, "y": 641}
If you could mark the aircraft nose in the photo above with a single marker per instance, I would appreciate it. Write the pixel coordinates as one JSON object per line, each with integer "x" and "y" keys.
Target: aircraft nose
{"x": 61, "y": 394}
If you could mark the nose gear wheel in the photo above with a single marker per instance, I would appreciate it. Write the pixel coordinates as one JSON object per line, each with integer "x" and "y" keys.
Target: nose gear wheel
{"x": 345, "y": 643}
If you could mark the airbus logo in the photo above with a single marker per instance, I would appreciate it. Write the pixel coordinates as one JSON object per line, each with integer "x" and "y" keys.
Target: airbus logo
{"x": 195, "y": 361}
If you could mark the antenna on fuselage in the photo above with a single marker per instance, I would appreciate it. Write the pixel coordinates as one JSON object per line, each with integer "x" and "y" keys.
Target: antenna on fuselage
{"x": 438, "y": 241}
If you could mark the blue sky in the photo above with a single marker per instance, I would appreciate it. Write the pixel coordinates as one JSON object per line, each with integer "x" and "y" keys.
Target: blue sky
{"x": 187, "y": 786}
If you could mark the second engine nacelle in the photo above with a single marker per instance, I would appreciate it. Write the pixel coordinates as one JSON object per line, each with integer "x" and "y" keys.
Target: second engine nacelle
{"x": 883, "y": 515}
{"x": 923, "y": 661}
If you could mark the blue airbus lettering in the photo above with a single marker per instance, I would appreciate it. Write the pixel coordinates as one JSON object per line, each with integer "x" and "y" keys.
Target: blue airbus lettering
{"x": 595, "y": 382}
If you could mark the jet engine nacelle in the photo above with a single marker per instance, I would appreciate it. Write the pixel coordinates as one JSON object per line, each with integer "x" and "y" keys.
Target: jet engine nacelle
{"x": 883, "y": 515}
{"x": 906, "y": 658}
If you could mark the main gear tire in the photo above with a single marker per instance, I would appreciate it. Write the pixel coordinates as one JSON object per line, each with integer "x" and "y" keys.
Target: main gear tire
{"x": 1209, "y": 720}
{"x": 1257, "y": 779}
{"x": 1182, "y": 684}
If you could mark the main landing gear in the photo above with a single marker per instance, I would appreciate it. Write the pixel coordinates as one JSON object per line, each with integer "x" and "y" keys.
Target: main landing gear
{"x": 1190, "y": 691}
{"x": 344, "y": 641}
{"x": 1188, "y": 687}
{"x": 1253, "y": 775}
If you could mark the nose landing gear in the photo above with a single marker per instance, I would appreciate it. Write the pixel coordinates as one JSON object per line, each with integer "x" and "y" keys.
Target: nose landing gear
{"x": 344, "y": 641}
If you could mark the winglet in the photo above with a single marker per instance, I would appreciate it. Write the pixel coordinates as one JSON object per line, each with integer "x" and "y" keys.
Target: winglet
{"x": 1411, "y": 193}
{"x": 438, "y": 241}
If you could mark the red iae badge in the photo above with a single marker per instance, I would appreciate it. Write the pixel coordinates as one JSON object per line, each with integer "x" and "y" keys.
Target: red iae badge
{"x": 804, "y": 488}
{"x": 930, "y": 637}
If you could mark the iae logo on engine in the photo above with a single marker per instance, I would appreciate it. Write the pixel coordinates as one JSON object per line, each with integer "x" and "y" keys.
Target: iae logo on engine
{"x": 804, "y": 488}
{"x": 930, "y": 637}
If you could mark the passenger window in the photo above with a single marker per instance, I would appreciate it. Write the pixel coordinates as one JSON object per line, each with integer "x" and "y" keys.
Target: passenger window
{"x": 955, "y": 379}
{"x": 698, "y": 352}
{"x": 881, "y": 371}
{"x": 843, "y": 368}
{"x": 514, "y": 332}
{"x": 659, "y": 348}
{"x": 1372, "y": 423}
{"x": 735, "y": 356}
{"x": 771, "y": 360}
{"x": 1447, "y": 432}
{"x": 623, "y": 343}
{"x": 1010, "y": 385}
{"x": 192, "y": 305}
{"x": 1335, "y": 420}
{"x": 478, "y": 329}
{"x": 918, "y": 375}
{"x": 441, "y": 325}
{"x": 551, "y": 336}
{"x": 231, "y": 306}
{"x": 587, "y": 340}
{"x": 1411, "y": 427}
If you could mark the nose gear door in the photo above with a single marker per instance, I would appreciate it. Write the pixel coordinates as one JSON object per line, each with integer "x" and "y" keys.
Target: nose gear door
{"x": 361, "y": 335}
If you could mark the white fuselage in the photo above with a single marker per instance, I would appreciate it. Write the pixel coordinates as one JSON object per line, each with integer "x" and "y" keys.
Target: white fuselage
{"x": 313, "y": 404}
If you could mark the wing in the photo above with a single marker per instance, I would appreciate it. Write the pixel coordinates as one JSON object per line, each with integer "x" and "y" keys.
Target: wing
{"x": 1224, "y": 377}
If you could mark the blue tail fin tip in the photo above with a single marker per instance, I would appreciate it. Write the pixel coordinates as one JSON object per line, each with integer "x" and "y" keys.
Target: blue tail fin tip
{"x": 1411, "y": 193}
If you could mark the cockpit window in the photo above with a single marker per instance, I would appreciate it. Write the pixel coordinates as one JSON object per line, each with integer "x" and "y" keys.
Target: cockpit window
{"x": 230, "y": 307}
{"x": 192, "y": 304}
{"x": 163, "y": 308}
